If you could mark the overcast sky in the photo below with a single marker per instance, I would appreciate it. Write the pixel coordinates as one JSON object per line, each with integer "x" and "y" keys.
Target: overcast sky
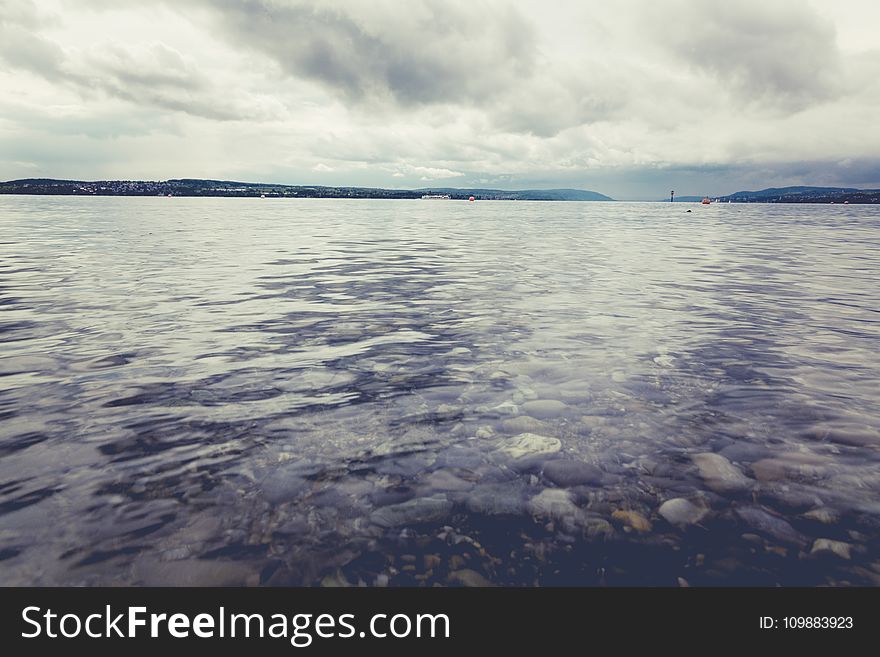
{"x": 630, "y": 98}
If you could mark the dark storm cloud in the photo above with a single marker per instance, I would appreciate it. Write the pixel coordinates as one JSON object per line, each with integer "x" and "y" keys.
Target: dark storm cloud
{"x": 424, "y": 51}
{"x": 779, "y": 53}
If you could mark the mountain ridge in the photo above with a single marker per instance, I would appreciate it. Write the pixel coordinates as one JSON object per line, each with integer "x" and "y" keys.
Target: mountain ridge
{"x": 805, "y": 194}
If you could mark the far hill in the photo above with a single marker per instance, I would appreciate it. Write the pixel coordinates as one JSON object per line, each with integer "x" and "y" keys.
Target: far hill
{"x": 228, "y": 188}
{"x": 806, "y": 195}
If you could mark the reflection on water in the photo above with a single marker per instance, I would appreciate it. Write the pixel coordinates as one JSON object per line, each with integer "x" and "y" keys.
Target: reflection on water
{"x": 200, "y": 391}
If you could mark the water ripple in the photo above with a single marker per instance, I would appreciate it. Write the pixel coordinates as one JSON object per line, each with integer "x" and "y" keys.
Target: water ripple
{"x": 294, "y": 392}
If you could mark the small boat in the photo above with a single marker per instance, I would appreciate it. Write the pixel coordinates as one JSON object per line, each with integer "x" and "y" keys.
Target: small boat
{"x": 706, "y": 201}
{"x": 436, "y": 197}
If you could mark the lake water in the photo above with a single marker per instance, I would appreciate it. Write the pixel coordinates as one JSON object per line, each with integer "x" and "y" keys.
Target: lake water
{"x": 247, "y": 391}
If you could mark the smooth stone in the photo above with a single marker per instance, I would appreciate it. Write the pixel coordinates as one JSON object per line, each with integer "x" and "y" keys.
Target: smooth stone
{"x": 596, "y": 527}
{"x": 790, "y": 465}
{"x": 680, "y": 512}
{"x": 552, "y": 502}
{"x": 506, "y": 408}
{"x": 846, "y": 433}
{"x": 823, "y": 514}
{"x": 575, "y": 395}
{"x": 544, "y": 408}
{"x": 431, "y": 561}
{"x": 773, "y": 526}
{"x": 523, "y": 424}
{"x": 633, "y": 519}
{"x": 770, "y": 470}
{"x": 468, "y": 577}
{"x": 530, "y": 444}
{"x": 416, "y": 511}
{"x": 744, "y": 451}
{"x": 446, "y": 481}
{"x": 496, "y": 500}
{"x": 335, "y": 580}
{"x": 829, "y": 546}
{"x": 572, "y": 473}
{"x": 789, "y": 497}
{"x": 593, "y": 421}
{"x": 719, "y": 474}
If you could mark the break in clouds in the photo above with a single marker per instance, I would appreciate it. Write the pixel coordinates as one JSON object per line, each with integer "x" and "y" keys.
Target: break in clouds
{"x": 627, "y": 98}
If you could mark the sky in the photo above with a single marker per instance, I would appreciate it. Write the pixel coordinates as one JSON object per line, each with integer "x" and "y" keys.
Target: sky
{"x": 631, "y": 98}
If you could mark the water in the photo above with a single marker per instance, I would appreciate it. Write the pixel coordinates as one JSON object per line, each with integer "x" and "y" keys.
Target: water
{"x": 232, "y": 391}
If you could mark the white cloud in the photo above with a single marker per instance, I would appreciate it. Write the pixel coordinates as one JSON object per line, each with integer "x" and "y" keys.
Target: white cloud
{"x": 433, "y": 173}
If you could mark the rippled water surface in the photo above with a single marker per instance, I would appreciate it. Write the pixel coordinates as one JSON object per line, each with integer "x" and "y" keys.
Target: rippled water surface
{"x": 232, "y": 391}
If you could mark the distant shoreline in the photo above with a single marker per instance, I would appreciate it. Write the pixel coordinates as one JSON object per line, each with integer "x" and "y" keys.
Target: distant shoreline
{"x": 199, "y": 188}
{"x": 231, "y": 189}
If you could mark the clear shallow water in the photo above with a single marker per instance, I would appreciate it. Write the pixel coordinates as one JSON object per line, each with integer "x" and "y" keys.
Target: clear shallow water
{"x": 269, "y": 391}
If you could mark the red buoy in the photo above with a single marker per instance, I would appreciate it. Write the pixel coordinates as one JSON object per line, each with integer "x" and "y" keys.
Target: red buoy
{"x": 472, "y": 199}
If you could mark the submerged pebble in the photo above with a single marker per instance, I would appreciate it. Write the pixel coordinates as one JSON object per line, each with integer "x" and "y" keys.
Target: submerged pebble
{"x": 553, "y": 503}
{"x": 789, "y": 466}
{"x": 823, "y": 514}
{"x": 774, "y": 526}
{"x": 529, "y": 445}
{"x": 415, "y": 511}
{"x": 632, "y": 519}
{"x": 468, "y": 577}
{"x": 544, "y": 408}
{"x": 829, "y": 546}
{"x": 443, "y": 480}
{"x": 524, "y": 424}
{"x": 679, "y": 511}
{"x": 568, "y": 473}
{"x": 719, "y": 474}
{"x": 496, "y": 500}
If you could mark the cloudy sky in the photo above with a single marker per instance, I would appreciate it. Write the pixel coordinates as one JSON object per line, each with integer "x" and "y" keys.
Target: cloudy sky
{"x": 631, "y": 98}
